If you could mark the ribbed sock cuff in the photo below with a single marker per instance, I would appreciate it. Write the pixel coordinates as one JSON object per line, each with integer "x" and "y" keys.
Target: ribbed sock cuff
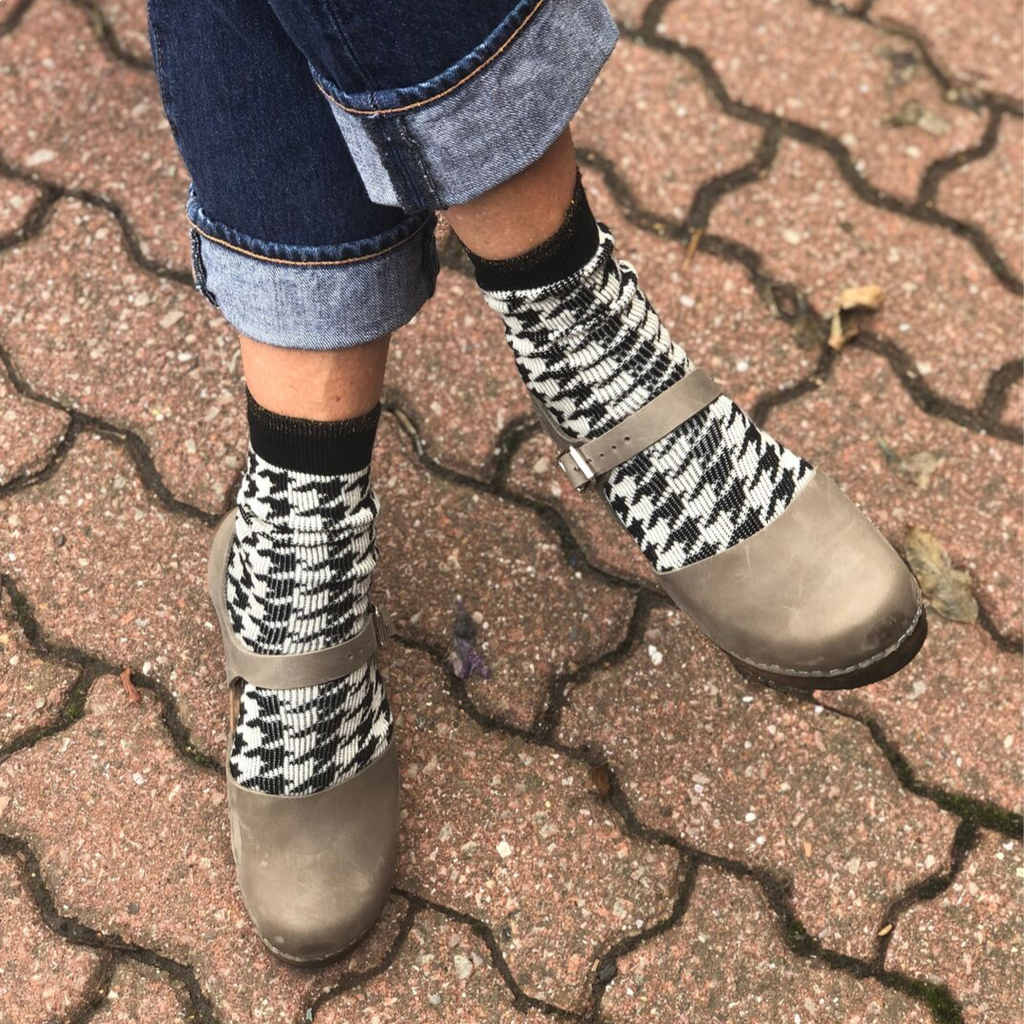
{"x": 555, "y": 259}
{"x": 312, "y": 446}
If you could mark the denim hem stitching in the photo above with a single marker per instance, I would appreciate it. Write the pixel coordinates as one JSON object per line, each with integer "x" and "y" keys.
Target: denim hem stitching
{"x": 309, "y": 263}
{"x": 431, "y": 99}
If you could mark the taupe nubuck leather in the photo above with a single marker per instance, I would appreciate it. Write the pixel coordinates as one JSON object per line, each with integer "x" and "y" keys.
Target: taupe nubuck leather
{"x": 817, "y": 600}
{"x": 314, "y": 870}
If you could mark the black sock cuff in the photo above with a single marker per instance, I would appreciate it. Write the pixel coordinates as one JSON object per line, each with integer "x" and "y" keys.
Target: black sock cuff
{"x": 312, "y": 446}
{"x": 555, "y": 259}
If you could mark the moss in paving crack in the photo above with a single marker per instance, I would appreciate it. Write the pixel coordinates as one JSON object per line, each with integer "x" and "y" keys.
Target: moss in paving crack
{"x": 74, "y": 707}
{"x": 970, "y": 809}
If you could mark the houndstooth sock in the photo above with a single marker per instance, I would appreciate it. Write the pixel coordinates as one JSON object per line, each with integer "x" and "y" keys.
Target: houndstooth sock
{"x": 591, "y": 348}
{"x": 298, "y": 579}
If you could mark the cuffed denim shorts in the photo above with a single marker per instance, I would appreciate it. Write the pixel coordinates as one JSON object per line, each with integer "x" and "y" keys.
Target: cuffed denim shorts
{"x": 321, "y": 136}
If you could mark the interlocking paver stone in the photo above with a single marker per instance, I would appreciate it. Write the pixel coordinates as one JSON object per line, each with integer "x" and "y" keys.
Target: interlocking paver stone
{"x": 536, "y": 616}
{"x": 980, "y": 46}
{"x": 140, "y": 994}
{"x": 999, "y": 177}
{"x": 42, "y": 976}
{"x": 30, "y": 431}
{"x": 970, "y": 936}
{"x": 78, "y": 117}
{"x": 443, "y": 972}
{"x": 127, "y": 19}
{"x": 16, "y": 200}
{"x": 95, "y": 331}
{"x": 676, "y": 138}
{"x": 513, "y": 833}
{"x": 138, "y": 846}
{"x": 726, "y": 963}
{"x": 744, "y": 773}
{"x": 955, "y": 713}
{"x": 845, "y": 78}
{"x": 32, "y": 688}
{"x": 942, "y": 303}
{"x": 92, "y": 540}
{"x": 974, "y": 499}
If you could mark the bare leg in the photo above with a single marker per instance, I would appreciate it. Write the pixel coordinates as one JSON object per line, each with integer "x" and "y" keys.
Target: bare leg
{"x": 519, "y": 214}
{"x": 327, "y": 386}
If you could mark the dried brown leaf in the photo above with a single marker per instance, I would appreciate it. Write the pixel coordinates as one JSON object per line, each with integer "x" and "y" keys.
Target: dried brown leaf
{"x": 946, "y": 589}
{"x": 130, "y": 688}
{"x": 842, "y": 329}
{"x": 917, "y": 468}
{"x": 868, "y": 296}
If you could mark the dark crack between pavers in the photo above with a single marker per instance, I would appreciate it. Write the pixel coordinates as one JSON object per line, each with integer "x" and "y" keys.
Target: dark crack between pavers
{"x": 483, "y": 931}
{"x": 964, "y": 840}
{"x": 18, "y": 850}
{"x": 937, "y": 172}
{"x": 15, "y": 13}
{"x": 839, "y": 153}
{"x": 52, "y": 192}
{"x": 353, "y": 979}
{"x": 957, "y": 91}
{"x": 786, "y": 302}
{"x": 102, "y": 30}
{"x": 136, "y": 447}
{"x": 90, "y": 667}
{"x": 969, "y": 809}
{"x": 108, "y": 38}
{"x": 1011, "y": 643}
{"x": 97, "y": 989}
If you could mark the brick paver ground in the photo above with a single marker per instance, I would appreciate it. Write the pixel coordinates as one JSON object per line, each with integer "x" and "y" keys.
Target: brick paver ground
{"x": 614, "y": 826}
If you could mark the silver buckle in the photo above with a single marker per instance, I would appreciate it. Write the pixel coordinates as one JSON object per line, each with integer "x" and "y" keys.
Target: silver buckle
{"x": 581, "y": 463}
{"x": 380, "y": 627}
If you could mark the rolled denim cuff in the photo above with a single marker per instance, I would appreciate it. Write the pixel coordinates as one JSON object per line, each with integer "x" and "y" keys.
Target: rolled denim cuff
{"x": 314, "y": 297}
{"x": 448, "y": 140}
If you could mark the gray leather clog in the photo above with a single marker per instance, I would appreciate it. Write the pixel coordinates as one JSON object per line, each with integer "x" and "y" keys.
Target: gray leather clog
{"x": 314, "y": 870}
{"x": 817, "y": 600}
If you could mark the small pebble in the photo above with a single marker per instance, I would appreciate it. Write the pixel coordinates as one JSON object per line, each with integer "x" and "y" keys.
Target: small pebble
{"x": 463, "y": 966}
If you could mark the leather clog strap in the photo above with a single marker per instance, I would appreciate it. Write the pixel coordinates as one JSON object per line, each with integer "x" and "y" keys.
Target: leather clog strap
{"x": 287, "y": 671}
{"x": 586, "y": 462}
{"x": 294, "y": 671}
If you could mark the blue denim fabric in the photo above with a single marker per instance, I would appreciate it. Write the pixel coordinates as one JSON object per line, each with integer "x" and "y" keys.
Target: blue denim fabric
{"x": 309, "y": 237}
{"x": 451, "y": 138}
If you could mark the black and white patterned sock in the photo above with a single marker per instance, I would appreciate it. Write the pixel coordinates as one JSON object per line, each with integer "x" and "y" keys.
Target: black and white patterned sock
{"x": 591, "y": 348}
{"x": 298, "y": 579}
